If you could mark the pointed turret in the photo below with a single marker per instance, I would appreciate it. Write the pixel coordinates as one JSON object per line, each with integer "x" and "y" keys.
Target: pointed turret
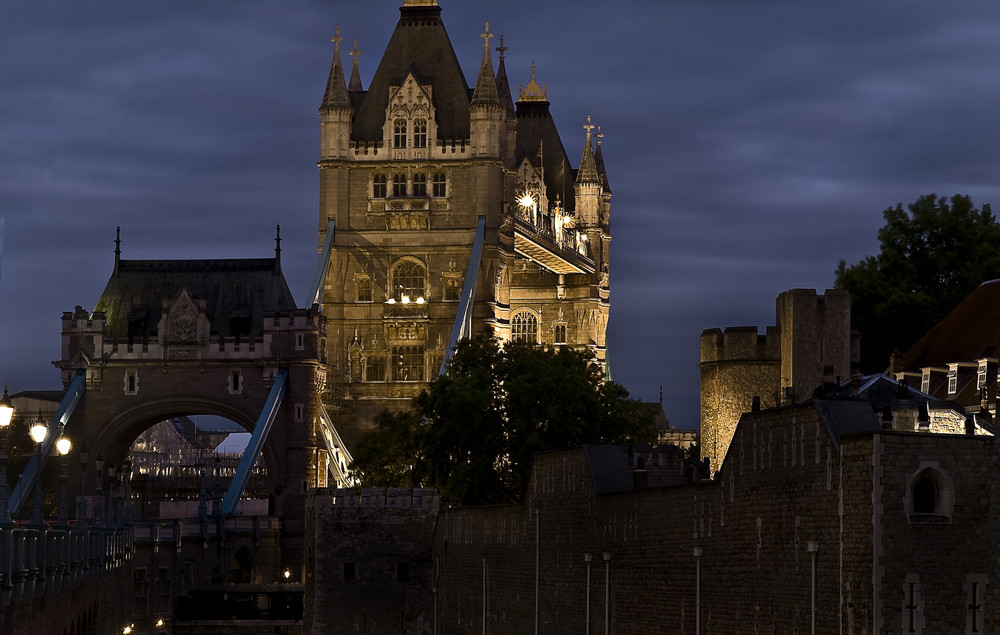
{"x": 354, "y": 86}
{"x": 503, "y": 85}
{"x": 588, "y": 185}
{"x": 535, "y": 126}
{"x": 599, "y": 160}
{"x": 486, "y": 116}
{"x": 335, "y": 111}
{"x": 588, "y": 166}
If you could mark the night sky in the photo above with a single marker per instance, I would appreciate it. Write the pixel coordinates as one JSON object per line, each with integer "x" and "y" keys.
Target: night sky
{"x": 750, "y": 145}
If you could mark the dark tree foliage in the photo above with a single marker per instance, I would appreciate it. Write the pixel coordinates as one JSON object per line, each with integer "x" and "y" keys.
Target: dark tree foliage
{"x": 473, "y": 433}
{"x": 933, "y": 254}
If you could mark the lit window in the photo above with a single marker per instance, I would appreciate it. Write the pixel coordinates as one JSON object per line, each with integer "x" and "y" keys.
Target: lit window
{"x": 420, "y": 133}
{"x": 407, "y": 363}
{"x": 452, "y": 289}
{"x": 375, "y": 368}
{"x": 399, "y": 133}
{"x": 378, "y": 186}
{"x": 952, "y": 381}
{"x": 524, "y": 327}
{"x": 560, "y": 334}
{"x": 399, "y": 185}
{"x": 408, "y": 281}
{"x": 420, "y": 184}
{"x": 364, "y": 289}
{"x": 440, "y": 185}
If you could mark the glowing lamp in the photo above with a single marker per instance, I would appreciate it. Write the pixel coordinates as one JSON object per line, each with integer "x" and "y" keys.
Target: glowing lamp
{"x": 64, "y": 445}
{"x": 38, "y": 431}
{"x": 391, "y": 301}
{"x": 405, "y": 299}
{"x": 526, "y": 200}
{"x": 287, "y": 574}
{"x": 6, "y": 409}
{"x": 420, "y": 300}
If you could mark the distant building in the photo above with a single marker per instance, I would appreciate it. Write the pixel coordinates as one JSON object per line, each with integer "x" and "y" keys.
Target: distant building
{"x": 408, "y": 166}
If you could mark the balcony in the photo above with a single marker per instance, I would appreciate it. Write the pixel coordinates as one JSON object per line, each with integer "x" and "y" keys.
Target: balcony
{"x": 539, "y": 244}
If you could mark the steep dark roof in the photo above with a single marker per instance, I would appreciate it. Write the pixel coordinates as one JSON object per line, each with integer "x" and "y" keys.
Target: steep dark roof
{"x": 503, "y": 85}
{"x": 970, "y": 332}
{"x": 245, "y": 288}
{"x": 335, "y": 96}
{"x": 599, "y": 160}
{"x": 420, "y": 45}
{"x": 535, "y": 128}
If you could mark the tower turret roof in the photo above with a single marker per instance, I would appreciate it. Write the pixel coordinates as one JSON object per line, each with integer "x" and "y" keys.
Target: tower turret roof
{"x": 335, "y": 97}
{"x": 503, "y": 85}
{"x": 486, "y": 83}
{"x": 588, "y": 166}
{"x": 599, "y": 160}
{"x": 354, "y": 85}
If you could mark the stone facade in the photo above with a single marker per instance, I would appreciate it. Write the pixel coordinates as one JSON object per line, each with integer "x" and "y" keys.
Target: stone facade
{"x": 408, "y": 165}
{"x": 810, "y": 345}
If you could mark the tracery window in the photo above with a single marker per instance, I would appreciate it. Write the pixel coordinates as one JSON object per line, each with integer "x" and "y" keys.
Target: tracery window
{"x": 440, "y": 187}
{"x": 407, "y": 363}
{"x": 378, "y": 186}
{"x": 420, "y": 184}
{"x": 420, "y": 133}
{"x": 524, "y": 327}
{"x": 452, "y": 288}
{"x": 399, "y": 133}
{"x": 560, "y": 334}
{"x": 399, "y": 184}
{"x": 375, "y": 368}
{"x": 408, "y": 280}
{"x": 364, "y": 289}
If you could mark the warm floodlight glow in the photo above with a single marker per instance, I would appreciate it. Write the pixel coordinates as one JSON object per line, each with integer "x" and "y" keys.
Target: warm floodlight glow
{"x": 6, "y": 409}
{"x": 287, "y": 574}
{"x": 405, "y": 299}
{"x": 64, "y": 445}
{"x": 159, "y": 623}
{"x": 391, "y": 301}
{"x": 526, "y": 200}
{"x": 38, "y": 431}
{"x": 420, "y": 300}
{"x": 127, "y": 630}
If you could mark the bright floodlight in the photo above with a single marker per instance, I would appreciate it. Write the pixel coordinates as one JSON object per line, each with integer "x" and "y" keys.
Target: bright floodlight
{"x": 420, "y": 300}
{"x": 405, "y": 299}
{"x": 6, "y": 409}
{"x": 64, "y": 445}
{"x": 526, "y": 201}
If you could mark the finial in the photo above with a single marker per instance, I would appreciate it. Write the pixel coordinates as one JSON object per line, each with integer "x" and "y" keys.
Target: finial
{"x": 118, "y": 248}
{"x": 336, "y": 39}
{"x": 486, "y": 39}
{"x": 277, "y": 239}
{"x": 599, "y": 135}
{"x": 355, "y": 53}
{"x": 532, "y": 70}
{"x": 502, "y": 49}
{"x": 588, "y": 127}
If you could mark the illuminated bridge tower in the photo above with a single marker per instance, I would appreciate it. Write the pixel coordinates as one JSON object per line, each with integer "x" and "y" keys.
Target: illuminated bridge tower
{"x": 410, "y": 169}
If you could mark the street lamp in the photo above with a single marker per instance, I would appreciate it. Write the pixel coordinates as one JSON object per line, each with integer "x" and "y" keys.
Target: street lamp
{"x": 6, "y": 414}
{"x": 63, "y": 446}
{"x": 38, "y": 432}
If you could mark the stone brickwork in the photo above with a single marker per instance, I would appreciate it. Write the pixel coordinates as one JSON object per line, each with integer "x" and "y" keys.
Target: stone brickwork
{"x": 810, "y": 345}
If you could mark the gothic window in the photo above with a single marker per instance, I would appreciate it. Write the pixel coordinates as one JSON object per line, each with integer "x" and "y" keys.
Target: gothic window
{"x": 560, "y": 334}
{"x": 930, "y": 496}
{"x": 408, "y": 281}
{"x": 420, "y": 133}
{"x": 131, "y": 382}
{"x": 375, "y": 368}
{"x": 235, "y": 382}
{"x": 524, "y": 327}
{"x": 378, "y": 186}
{"x": 399, "y": 133}
{"x": 364, "y": 289}
{"x": 407, "y": 363}
{"x": 440, "y": 185}
{"x": 399, "y": 184}
{"x": 420, "y": 184}
{"x": 452, "y": 289}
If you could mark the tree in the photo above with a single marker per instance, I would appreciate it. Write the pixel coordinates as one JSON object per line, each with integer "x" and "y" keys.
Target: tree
{"x": 474, "y": 432}
{"x": 932, "y": 255}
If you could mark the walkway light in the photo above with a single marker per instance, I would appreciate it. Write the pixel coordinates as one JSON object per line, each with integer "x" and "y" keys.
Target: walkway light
{"x": 6, "y": 409}
{"x": 6, "y": 414}
{"x": 38, "y": 430}
{"x": 64, "y": 445}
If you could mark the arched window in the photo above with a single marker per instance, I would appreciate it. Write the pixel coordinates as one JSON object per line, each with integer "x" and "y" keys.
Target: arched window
{"x": 399, "y": 133}
{"x": 559, "y": 334}
{"x": 378, "y": 186}
{"x": 524, "y": 327}
{"x": 420, "y": 133}
{"x": 930, "y": 495}
{"x": 408, "y": 281}
{"x": 399, "y": 184}
{"x": 407, "y": 363}
{"x": 420, "y": 184}
{"x": 440, "y": 184}
{"x": 925, "y": 494}
{"x": 364, "y": 289}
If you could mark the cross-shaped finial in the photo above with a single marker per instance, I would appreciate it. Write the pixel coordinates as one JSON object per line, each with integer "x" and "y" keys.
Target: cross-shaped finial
{"x": 532, "y": 70}
{"x": 588, "y": 127}
{"x": 486, "y": 37}
{"x": 501, "y": 48}
{"x": 599, "y": 135}
{"x": 336, "y": 39}
{"x": 355, "y": 53}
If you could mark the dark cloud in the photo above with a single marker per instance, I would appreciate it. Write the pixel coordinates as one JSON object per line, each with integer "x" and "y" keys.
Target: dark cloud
{"x": 751, "y": 146}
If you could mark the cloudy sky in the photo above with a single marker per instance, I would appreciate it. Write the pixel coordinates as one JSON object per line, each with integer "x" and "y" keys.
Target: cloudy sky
{"x": 750, "y": 145}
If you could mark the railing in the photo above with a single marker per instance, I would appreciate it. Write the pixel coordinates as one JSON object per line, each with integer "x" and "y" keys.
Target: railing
{"x": 35, "y": 562}
{"x": 545, "y": 238}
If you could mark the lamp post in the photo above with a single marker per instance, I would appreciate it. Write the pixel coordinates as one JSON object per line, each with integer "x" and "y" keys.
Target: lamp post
{"x": 81, "y": 504}
{"x": 38, "y": 432}
{"x": 6, "y": 414}
{"x": 63, "y": 446}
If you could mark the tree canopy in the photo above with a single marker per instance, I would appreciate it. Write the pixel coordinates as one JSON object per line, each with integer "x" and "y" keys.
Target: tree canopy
{"x": 473, "y": 433}
{"x": 933, "y": 254}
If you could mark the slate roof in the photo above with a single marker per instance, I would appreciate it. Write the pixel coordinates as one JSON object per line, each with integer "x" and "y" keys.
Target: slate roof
{"x": 420, "y": 45}
{"x": 535, "y": 128}
{"x": 236, "y": 287}
{"x": 970, "y": 332}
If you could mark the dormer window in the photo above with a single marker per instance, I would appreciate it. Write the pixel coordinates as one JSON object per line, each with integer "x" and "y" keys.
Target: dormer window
{"x": 952, "y": 381}
{"x": 420, "y": 133}
{"x": 399, "y": 133}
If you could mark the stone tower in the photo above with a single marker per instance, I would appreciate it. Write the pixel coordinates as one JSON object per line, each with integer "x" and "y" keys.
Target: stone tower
{"x": 408, "y": 166}
{"x": 810, "y": 345}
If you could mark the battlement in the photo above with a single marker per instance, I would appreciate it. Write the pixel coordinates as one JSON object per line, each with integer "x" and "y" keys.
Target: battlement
{"x": 740, "y": 343}
{"x": 423, "y": 499}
